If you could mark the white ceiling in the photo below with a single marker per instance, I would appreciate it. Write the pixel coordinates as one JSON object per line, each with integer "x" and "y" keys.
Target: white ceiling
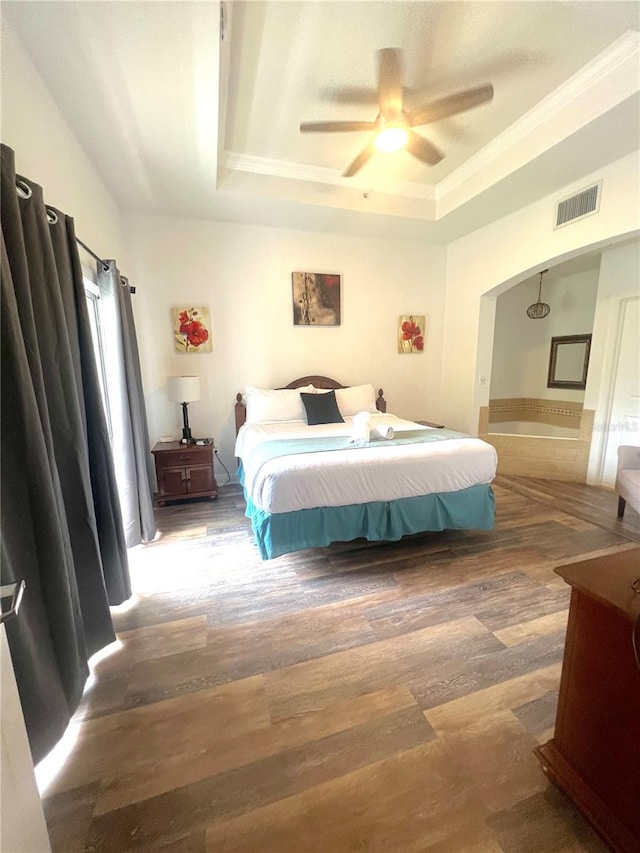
{"x": 179, "y": 122}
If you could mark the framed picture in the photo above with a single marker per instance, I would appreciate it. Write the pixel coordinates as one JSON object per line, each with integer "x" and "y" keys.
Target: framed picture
{"x": 192, "y": 329}
{"x": 316, "y": 299}
{"x": 411, "y": 333}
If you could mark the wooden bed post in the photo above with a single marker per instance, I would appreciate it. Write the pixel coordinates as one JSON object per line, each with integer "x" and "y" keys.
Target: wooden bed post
{"x": 381, "y": 403}
{"x": 241, "y": 412}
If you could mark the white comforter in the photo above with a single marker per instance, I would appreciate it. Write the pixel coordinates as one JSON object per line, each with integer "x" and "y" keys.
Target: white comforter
{"x": 363, "y": 474}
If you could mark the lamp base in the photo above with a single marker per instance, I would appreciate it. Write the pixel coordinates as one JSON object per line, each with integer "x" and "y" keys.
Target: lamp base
{"x": 187, "y": 438}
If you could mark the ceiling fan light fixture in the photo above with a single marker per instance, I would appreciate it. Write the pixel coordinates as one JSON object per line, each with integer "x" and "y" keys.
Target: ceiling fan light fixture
{"x": 391, "y": 138}
{"x": 394, "y": 126}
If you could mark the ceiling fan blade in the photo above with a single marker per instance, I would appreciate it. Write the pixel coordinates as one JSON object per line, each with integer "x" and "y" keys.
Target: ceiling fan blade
{"x": 363, "y": 157}
{"x": 451, "y": 105}
{"x": 349, "y": 95}
{"x": 335, "y": 126}
{"x": 390, "y": 82}
{"x": 423, "y": 149}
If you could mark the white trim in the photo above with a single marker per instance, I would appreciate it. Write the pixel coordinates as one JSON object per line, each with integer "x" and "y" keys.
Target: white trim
{"x": 614, "y": 71}
{"x": 89, "y": 269}
{"x": 611, "y": 384}
{"x": 626, "y": 48}
{"x": 320, "y": 175}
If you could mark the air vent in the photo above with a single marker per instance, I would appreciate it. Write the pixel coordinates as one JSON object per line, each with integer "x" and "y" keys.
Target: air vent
{"x": 577, "y": 206}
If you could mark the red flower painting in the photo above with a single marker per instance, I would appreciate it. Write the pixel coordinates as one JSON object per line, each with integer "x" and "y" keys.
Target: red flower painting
{"x": 411, "y": 334}
{"x": 191, "y": 329}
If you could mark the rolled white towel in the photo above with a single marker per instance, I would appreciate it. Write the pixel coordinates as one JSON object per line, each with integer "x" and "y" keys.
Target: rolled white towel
{"x": 361, "y": 427}
{"x": 381, "y": 431}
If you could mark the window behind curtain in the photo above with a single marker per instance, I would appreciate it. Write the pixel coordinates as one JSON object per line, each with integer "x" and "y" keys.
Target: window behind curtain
{"x": 92, "y": 293}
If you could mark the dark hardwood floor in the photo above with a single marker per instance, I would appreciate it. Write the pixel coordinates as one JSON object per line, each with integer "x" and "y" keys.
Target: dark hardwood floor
{"x": 355, "y": 698}
{"x": 596, "y": 505}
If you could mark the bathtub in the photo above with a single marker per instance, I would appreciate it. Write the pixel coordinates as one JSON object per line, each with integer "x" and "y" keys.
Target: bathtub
{"x": 533, "y": 428}
{"x": 554, "y": 449}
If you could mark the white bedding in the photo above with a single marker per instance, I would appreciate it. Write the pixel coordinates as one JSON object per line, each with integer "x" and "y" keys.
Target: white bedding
{"x": 361, "y": 475}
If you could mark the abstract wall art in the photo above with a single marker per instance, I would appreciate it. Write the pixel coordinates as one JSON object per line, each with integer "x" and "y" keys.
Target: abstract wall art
{"x": 316, "y": 299}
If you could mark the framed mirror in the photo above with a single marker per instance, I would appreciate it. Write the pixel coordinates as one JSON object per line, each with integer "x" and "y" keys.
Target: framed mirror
{"x": 569, "y": 361}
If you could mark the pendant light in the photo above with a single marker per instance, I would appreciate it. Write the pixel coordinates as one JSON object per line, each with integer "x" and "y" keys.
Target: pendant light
{"x": 539, "y": 309}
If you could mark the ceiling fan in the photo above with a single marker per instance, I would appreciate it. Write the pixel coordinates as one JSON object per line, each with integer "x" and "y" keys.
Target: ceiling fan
{"x": 393, "y": 128}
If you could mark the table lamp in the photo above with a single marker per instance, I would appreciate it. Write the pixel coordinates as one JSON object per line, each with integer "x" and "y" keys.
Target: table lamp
{"x": 184, "y": 390}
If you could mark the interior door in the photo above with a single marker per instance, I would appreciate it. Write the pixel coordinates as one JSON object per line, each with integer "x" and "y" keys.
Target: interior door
{"x": 624, "y": 419}
{"x": 22, "y": 824}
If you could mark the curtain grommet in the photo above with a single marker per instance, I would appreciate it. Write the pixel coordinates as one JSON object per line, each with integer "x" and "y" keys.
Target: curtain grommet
{"x": 23, "y": 188}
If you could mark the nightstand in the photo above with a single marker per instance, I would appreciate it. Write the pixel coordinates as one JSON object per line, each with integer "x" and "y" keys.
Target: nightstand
{"x": 184, "y": 471}
{"x": 430, "y": 423}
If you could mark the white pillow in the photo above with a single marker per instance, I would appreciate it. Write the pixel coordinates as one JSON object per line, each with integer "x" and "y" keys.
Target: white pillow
{"x": 358, "y": 398}
{"x": 277, "y": 405}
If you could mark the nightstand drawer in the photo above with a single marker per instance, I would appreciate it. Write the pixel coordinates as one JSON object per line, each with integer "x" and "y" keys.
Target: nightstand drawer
{"x": 193, "y": 456}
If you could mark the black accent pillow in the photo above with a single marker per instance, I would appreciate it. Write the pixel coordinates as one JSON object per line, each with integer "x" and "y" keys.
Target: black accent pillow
{"x": 322, "y": 408}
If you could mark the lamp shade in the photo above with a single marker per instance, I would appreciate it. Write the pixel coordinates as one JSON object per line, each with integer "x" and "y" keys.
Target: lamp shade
{"x": 183, "y": 389}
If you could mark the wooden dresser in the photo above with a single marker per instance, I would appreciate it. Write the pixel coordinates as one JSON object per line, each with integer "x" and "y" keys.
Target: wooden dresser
{"x": 594, "y": 755}
{"x": 184, "y": 471}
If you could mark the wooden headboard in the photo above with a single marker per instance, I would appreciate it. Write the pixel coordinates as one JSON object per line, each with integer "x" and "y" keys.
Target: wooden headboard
{"x": 317, "y": 382}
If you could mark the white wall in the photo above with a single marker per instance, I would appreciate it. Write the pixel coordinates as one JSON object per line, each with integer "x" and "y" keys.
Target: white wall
{"x": 48, "y": 152}
{"x": 492, "y": 259}
{"x": 243, "y": 274}
{"x": 613, "y": 384}
{"x": 220, "y": 264}
{"x": 521, "y": 346}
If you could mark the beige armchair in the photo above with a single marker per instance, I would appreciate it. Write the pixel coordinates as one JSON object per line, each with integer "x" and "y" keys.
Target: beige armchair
{"x": 628, "y": 478}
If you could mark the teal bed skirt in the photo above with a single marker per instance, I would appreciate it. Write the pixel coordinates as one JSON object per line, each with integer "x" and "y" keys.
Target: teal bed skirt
{"x": 378, "y": 521}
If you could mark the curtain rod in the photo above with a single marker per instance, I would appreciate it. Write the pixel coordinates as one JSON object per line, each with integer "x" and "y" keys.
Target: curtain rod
{"x": 105, "y": 265}
{"x": 23, "y": 189}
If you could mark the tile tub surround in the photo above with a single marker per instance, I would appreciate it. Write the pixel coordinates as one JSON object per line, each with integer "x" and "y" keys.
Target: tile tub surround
{"x": 553, "y": 458}
{"x": 565, "y": 414}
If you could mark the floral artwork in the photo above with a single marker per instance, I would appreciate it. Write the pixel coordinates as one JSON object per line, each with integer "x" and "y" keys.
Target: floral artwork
{"x": 411, "y": 333}
{"x": 191, "y": 329}
{"x": 316, "y": 299}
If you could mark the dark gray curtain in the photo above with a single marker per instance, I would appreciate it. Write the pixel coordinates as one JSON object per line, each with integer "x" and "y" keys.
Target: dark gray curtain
{"x": 130, "y": 434}
{"x": 60, "y": 524}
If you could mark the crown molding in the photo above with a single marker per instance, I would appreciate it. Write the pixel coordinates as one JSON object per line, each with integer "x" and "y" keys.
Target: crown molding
{"x": 321, "y": 175}
{"x": 625, "y": 49}
{"x": 614, "y": 71}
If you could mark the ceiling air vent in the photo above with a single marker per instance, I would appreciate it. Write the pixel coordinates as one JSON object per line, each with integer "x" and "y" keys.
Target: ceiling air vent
{"x": 577, "y": 206}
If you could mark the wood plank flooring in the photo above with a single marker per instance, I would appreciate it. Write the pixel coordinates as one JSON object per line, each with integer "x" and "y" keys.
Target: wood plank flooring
{"x": 596, "y": 505}
{"x": 354, "y": 698}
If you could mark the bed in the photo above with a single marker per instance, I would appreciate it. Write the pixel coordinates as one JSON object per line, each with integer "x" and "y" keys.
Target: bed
{"x": 308, "y": 484}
